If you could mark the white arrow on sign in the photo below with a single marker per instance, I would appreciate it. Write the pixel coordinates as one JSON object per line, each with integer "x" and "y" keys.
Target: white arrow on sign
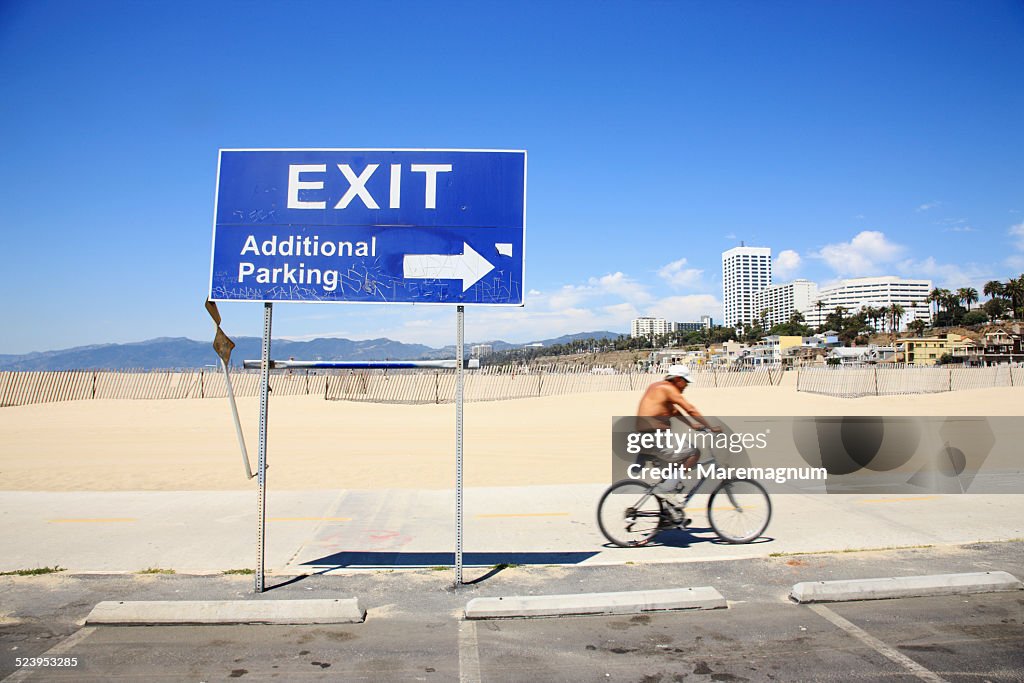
{"x": 468, "y": 266}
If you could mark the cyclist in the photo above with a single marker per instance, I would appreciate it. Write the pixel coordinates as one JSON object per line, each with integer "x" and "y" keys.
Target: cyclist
{"x": 659, "y": 404}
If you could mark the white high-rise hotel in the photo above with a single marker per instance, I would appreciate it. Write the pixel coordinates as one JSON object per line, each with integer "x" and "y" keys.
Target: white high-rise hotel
{"x": 745, "y": 272}
{"x": 778, "y": 303}
{"x": 862, "y": 292}
{"x": 748, "y": 293}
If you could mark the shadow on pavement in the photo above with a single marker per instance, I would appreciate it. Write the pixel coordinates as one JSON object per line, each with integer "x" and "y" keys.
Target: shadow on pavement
{"x": 680, "y": 538}
{"x": 439, "y": 559}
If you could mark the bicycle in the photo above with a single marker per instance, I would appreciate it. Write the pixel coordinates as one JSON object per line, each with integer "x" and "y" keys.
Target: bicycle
{"x": 632, "y": 512}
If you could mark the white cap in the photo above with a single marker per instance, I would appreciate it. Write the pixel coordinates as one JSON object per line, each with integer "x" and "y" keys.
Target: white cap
{"x": 681, "y": 371}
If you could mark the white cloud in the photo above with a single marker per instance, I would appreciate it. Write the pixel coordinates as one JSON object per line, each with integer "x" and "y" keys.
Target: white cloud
{"x": 679, "y": 276}
{"x": 1017, "y": 233}
{"x": 928, "y": 206}
{"x": 613, "y": 284}
{"x": 786, "y": 265}
{"x": 624, "y": 311}
{"x": 866, "y": 254}
{"x": 947, "y": 275}
{"x": 568, "y": 296}
{"x": 686, "y": 308}
{"x": 621, "y": 285}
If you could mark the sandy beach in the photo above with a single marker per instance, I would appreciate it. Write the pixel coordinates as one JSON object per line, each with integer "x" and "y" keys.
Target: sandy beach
{"x": 190, "y": 445}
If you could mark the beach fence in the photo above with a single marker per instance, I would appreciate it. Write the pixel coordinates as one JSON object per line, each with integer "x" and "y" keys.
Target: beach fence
{"x": 25, "y": 388}
{"x": 499, "y": 383}
{"x": 490, "y": 383}
{"x": 898, "y": 380}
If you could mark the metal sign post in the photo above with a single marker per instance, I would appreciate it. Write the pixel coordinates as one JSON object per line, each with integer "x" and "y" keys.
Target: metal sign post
{"x": 369, "y": 226}
{"x": 261, "y": 468}
{"x": 460, "y": 318}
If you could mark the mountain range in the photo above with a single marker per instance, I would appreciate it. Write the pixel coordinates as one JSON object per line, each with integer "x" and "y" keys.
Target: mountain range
{"x": 180, "y": 352}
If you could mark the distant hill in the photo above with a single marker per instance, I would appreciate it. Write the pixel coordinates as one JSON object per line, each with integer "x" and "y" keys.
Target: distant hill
{"x": 180, "y": 352}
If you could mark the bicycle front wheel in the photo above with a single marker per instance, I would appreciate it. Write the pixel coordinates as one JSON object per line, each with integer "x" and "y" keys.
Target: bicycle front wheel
{"x": 739, "y": 510}
{"x": 629, "y": 515}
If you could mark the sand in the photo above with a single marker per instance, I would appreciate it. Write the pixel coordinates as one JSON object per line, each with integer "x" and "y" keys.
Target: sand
{"x": 190, "y": 445}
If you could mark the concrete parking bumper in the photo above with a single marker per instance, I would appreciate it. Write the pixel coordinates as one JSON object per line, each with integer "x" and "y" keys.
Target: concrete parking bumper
{"x": 904, "y": 587}
{"x": 624, "y": 602}
{"x": 171, "y": 612}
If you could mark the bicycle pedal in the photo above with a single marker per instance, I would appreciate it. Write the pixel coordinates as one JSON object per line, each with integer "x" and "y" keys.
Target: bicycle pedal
{"x": 681, "y": 520}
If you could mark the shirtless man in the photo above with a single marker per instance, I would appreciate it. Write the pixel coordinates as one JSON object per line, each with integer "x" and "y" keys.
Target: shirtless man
{"x": 658, "y": 405}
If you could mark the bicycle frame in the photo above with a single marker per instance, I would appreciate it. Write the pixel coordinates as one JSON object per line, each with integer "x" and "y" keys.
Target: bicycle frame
{"x": 652, "y": 488}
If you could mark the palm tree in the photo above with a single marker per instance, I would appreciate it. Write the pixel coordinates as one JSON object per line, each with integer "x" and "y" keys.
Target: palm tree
{"x": 968, "y": 295}
{"x": 1014, "y": 289}
{"x": 876, "y": 314}
{"x": 992, "y": 289}
{"x": 935, "y": 296}
{"x": 895, "y": 316}
{"x": 836, "y": 318}
{"x": 871, "y": 313}
{"x": 916, "y": 326}
{"x": 949, "y": 300}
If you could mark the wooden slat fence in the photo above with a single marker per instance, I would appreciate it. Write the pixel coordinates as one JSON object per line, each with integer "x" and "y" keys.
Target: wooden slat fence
{"x": 852, "y": 382}
{"x": 494, "y": 383}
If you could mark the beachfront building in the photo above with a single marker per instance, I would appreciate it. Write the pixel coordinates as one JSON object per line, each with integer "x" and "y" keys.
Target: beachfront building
{"x": 772, "y": 349}
{"x": 779, "y": 302}
{"x": 659, "y": 361}
{"x": 862, "y": 355}
{"x": 705, "y": 324}
{"x": 649, "y": 327}
{"x": 928, "y": 350}
{"x": 997, "y": 347}
{"x": 878, "y": 292}
{"x": 745, "y": 272}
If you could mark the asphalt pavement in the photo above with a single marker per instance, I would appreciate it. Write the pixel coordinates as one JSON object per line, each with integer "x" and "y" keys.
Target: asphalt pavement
{"x": 415, "y": 628}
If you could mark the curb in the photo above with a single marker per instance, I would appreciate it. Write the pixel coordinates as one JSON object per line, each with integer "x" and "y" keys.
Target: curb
{"x": 625, "y": 602}
{"x": 904, "y": 587}
{"x": 172, "y": 612}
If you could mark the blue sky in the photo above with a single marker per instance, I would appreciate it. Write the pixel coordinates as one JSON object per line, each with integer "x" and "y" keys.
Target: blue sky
{"x": 858, "y": 138}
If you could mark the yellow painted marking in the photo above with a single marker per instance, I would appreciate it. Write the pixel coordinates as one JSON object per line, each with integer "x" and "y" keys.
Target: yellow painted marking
{"x": 98, "y": 520}
{"x": 310, "y": 519}
{"x": 895, "y": 500}
{"x": 525, "y": 514}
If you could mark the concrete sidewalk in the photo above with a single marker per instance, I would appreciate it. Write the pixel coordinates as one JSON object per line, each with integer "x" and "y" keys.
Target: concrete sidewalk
{"x": 315, "y": 531}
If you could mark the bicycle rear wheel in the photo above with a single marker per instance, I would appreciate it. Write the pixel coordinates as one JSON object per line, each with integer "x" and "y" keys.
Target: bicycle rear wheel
{"x": 739, "y": 510}
{"x": 629, "y": 514}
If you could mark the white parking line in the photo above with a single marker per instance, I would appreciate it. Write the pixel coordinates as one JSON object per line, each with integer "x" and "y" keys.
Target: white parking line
{"x": 877, "y": 645}
{"x": 469, "y": 654}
